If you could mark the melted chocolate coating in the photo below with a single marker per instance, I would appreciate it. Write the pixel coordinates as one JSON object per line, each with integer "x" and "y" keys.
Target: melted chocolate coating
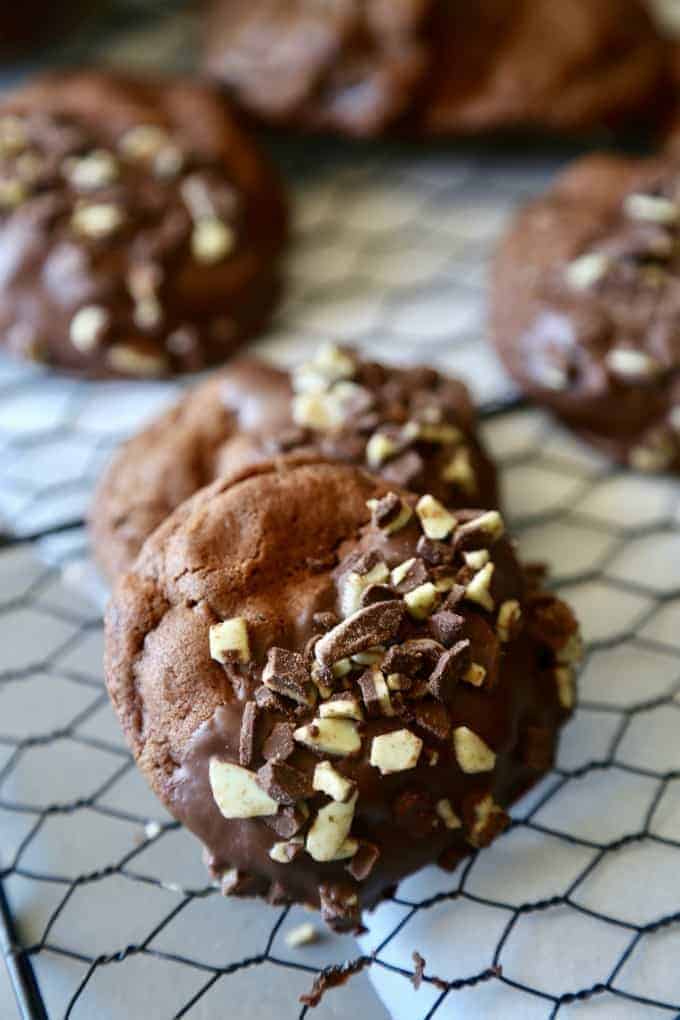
{"x": 275, "y": 546}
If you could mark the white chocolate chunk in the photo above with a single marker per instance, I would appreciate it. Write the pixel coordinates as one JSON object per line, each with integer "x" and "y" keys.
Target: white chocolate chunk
{"x": 347, "y": 850}
{"x": 354, "y": 585}
{"x": 628, "y": 363}
{"x": 459, "y": 471}
{"x": 421, "y": 602}
{"x": 509, "y": 616}
{"x": 435, "y": 519}
{"x": 478, "y": 588}
{"x": 330, "y": 736}
{"x": 472, "y": 753}
{"x": 587, "y": 270}
{"x": 402, "y": 518}
{"x": 330, "y": 829}
{"x": 230, "y": 636}
{"x": 346, "y": 707}
{"x": 131, "y": 361}
{"x": 490, "y": 524}
{"x": 95, "y": 170}
{"x": 433, "y": 432}
{"x": 302, "y": 935}
{"x": 237, "y": 793}
{"x": 651, "y": 208}
{"x": 399, "y": 572}
{"x": 331, "y": 782}
{"x": 329, "y": 365}
{"x": 477, "y": 559}
{"x": 98, "y": 220}
{"x": 379, "y": 449}
{"x": 475, "y": 675}
{"x": 212, "y": 240}
{"x": 284, "y": 852}
{"x": 396, "y": 751}
{"x": 142, "y": 141}
{"x": 87, "y": 327}
{"x": 447, "y": 814}
{"x": 566, "y": 688}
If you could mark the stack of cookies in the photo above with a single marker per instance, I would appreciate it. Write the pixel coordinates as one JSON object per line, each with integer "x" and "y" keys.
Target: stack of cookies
{"x": 325, "y": 654}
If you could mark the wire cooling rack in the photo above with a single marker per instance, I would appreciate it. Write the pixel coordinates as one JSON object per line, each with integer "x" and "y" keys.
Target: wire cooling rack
{"x": 105, "y": 908}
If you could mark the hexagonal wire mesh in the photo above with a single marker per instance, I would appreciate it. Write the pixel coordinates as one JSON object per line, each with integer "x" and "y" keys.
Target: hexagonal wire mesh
{"x": 574, "y": 912}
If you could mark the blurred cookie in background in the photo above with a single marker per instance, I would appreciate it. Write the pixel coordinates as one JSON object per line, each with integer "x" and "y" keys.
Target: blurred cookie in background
{"x": 425, "y": 66}
{"x": 140, "y": 228}
{"x": 571, "y": 67}
{"x": 412, "y": 426}
{"x": 586, "y": 305}
{"x": 346, "y": 66}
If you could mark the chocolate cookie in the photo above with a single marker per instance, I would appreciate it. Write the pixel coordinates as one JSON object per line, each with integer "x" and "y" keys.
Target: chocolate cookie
{"x": 412, "y": 426}
{"x": 332, "y": 682}
{"x": 139, "y": 226}
{"x": 438, "y": 66}
{"x": 586, "y": 305}
{"x": 346, "y": 65}
{"x": 569, "y": 67}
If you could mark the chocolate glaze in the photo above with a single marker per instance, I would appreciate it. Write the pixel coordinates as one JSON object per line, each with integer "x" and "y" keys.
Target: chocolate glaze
{"x": 274, "y": 545}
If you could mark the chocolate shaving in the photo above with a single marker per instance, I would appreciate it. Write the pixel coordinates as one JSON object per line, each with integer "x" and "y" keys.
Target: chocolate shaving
{"x": 453, "y": 598}
{"x": 279, "y": 745}
{"x": 419, "y": 964}
{"x": 246, "y": 743}
{"x": 448, "y": 672}
{"x": 283, "y": 783}
{"x": 373, "y": 625}
{"x": 333, "y": 977}
{"x": 364, "y": 860}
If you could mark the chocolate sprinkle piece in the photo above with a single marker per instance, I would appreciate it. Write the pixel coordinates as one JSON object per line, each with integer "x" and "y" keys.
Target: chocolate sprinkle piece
{"x": 279, "y": 745}
{"x": 373, "y": 625}
{"x": 286, "y": 674}
{"x": 339, "y": 906}
{"x": 386, "y": 510}
{"x": 414, "y": 658}
{"x": 436, "y": 554}
{"x": 446, "y": 627}
{"x": 450, "y": 669}
{"x": 287, "y": 822}
{"x": 364, "y": 860}
{"x": 283, "y": 783}
{"x": 333, "y": 977}
{"x": 246, "y": 744}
